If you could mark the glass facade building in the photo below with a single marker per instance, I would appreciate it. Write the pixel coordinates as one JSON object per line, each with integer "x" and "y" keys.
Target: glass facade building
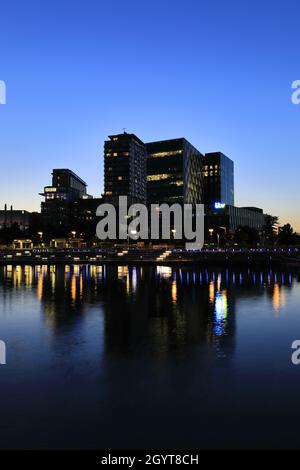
{"x": 174, "y": 172}
{"x": 218, "y": 175}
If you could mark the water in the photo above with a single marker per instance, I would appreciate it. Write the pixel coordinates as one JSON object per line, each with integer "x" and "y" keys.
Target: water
{"x": 125, "y": 357}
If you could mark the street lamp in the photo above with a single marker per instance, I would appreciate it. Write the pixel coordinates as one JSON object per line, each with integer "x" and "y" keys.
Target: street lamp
{"x": 211, "y": 231}
{"x": 40, "y": 234}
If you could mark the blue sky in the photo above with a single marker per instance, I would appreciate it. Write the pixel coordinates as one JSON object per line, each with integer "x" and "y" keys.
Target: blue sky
{"x": 218, "y": 73}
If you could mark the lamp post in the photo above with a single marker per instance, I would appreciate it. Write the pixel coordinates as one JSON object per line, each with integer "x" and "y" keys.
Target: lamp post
{"x": 211, "y": 231}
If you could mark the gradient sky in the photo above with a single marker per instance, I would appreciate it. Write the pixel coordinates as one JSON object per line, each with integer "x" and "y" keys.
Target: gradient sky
{"x": 218, "y": 73}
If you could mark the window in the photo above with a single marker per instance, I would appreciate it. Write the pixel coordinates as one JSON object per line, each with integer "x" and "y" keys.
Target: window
{"x": 165, "y": 154}
{"x": 162, "y": 176}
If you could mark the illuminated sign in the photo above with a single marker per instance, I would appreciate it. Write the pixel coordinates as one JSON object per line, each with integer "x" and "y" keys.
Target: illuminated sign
{"x": 219, "y": 205}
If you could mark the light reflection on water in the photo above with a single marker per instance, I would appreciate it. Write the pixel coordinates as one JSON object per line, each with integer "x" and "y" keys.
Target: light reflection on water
{"x": 185, "y": 306}
{"x": 171, "y": 337}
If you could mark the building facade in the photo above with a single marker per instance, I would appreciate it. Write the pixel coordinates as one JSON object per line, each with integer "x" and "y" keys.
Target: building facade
{"x": 67, "y": 188}
{"x": 125, "y": 168}
{"x": 229, "y": 218}
{"x": 174, "y": 172}
{"x": 66, "y": 185}
{"x": 11, "y": 217}
{"x": 218, "y": 175}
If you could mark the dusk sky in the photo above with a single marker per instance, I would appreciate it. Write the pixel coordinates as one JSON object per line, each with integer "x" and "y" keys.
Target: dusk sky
{"x": 217, "y": 73}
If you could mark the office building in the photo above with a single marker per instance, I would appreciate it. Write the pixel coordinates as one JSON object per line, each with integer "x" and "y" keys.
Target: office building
{"x": 125, "y": 168}
{"x": 218, "y": 175}
{"x": 229, "y": 218}
{"x": 174, "y": 172}
{"x": 66, "y": 185}
{"x": 66, "y": 188}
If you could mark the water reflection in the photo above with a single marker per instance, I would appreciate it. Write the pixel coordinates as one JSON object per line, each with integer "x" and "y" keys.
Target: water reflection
{"x": 153, "y": 309}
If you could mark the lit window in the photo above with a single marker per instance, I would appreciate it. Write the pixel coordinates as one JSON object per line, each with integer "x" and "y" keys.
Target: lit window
{"x": 162, "y": 176}
{"x": 165, "y": 154}
{"x": 115, "y": 154}
{"x": 120, "y": 178}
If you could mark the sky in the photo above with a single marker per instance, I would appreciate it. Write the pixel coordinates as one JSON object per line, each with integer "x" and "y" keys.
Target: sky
{"x": 217, "y": 73}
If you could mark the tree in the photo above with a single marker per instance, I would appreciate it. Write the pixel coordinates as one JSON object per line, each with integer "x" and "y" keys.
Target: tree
{"x": 287, "y": 236}
{"x": 270, "y": 228}
{"x": 245, "y": 235}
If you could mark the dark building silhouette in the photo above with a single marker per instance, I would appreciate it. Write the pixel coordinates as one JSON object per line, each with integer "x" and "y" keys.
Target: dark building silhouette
{"x": 174, "y": 172}
{"x": 66, "y": 185}
{"x": 218, "y": 173}
{"x": 125, "y": 168}
{"x": 67, "y": 205}
{"x": 11, "y": 217}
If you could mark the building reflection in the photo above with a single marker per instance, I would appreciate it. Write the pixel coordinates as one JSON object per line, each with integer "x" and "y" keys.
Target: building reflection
{"x": 153, "y": 310}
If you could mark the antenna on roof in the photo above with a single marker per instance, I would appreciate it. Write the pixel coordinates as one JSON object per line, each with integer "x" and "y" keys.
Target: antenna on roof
{"x": 124, "y": 129}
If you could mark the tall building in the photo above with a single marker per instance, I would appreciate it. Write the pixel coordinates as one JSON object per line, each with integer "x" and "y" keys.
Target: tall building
{"x": 218, "y": 173}
{"x": 125, "y": 168}
{"x": 174, "y": 172}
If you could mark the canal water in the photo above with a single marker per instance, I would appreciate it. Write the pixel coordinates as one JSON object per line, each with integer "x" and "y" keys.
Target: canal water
{"x": 111, "y": 357}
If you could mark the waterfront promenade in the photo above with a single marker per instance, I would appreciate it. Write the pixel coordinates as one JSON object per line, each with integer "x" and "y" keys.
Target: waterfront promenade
{"x": 161, "y": 256}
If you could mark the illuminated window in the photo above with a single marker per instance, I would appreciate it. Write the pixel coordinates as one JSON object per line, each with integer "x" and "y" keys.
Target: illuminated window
{"x": 50, "y": 190}
{"x": 162, "y": 176}
{"x": 108, "y": 193}
{"x": 120, "y": 178}
{"x": 115, "y": 138}
{"x": 165, "y": 154}
{"x": 115, "y": 154}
